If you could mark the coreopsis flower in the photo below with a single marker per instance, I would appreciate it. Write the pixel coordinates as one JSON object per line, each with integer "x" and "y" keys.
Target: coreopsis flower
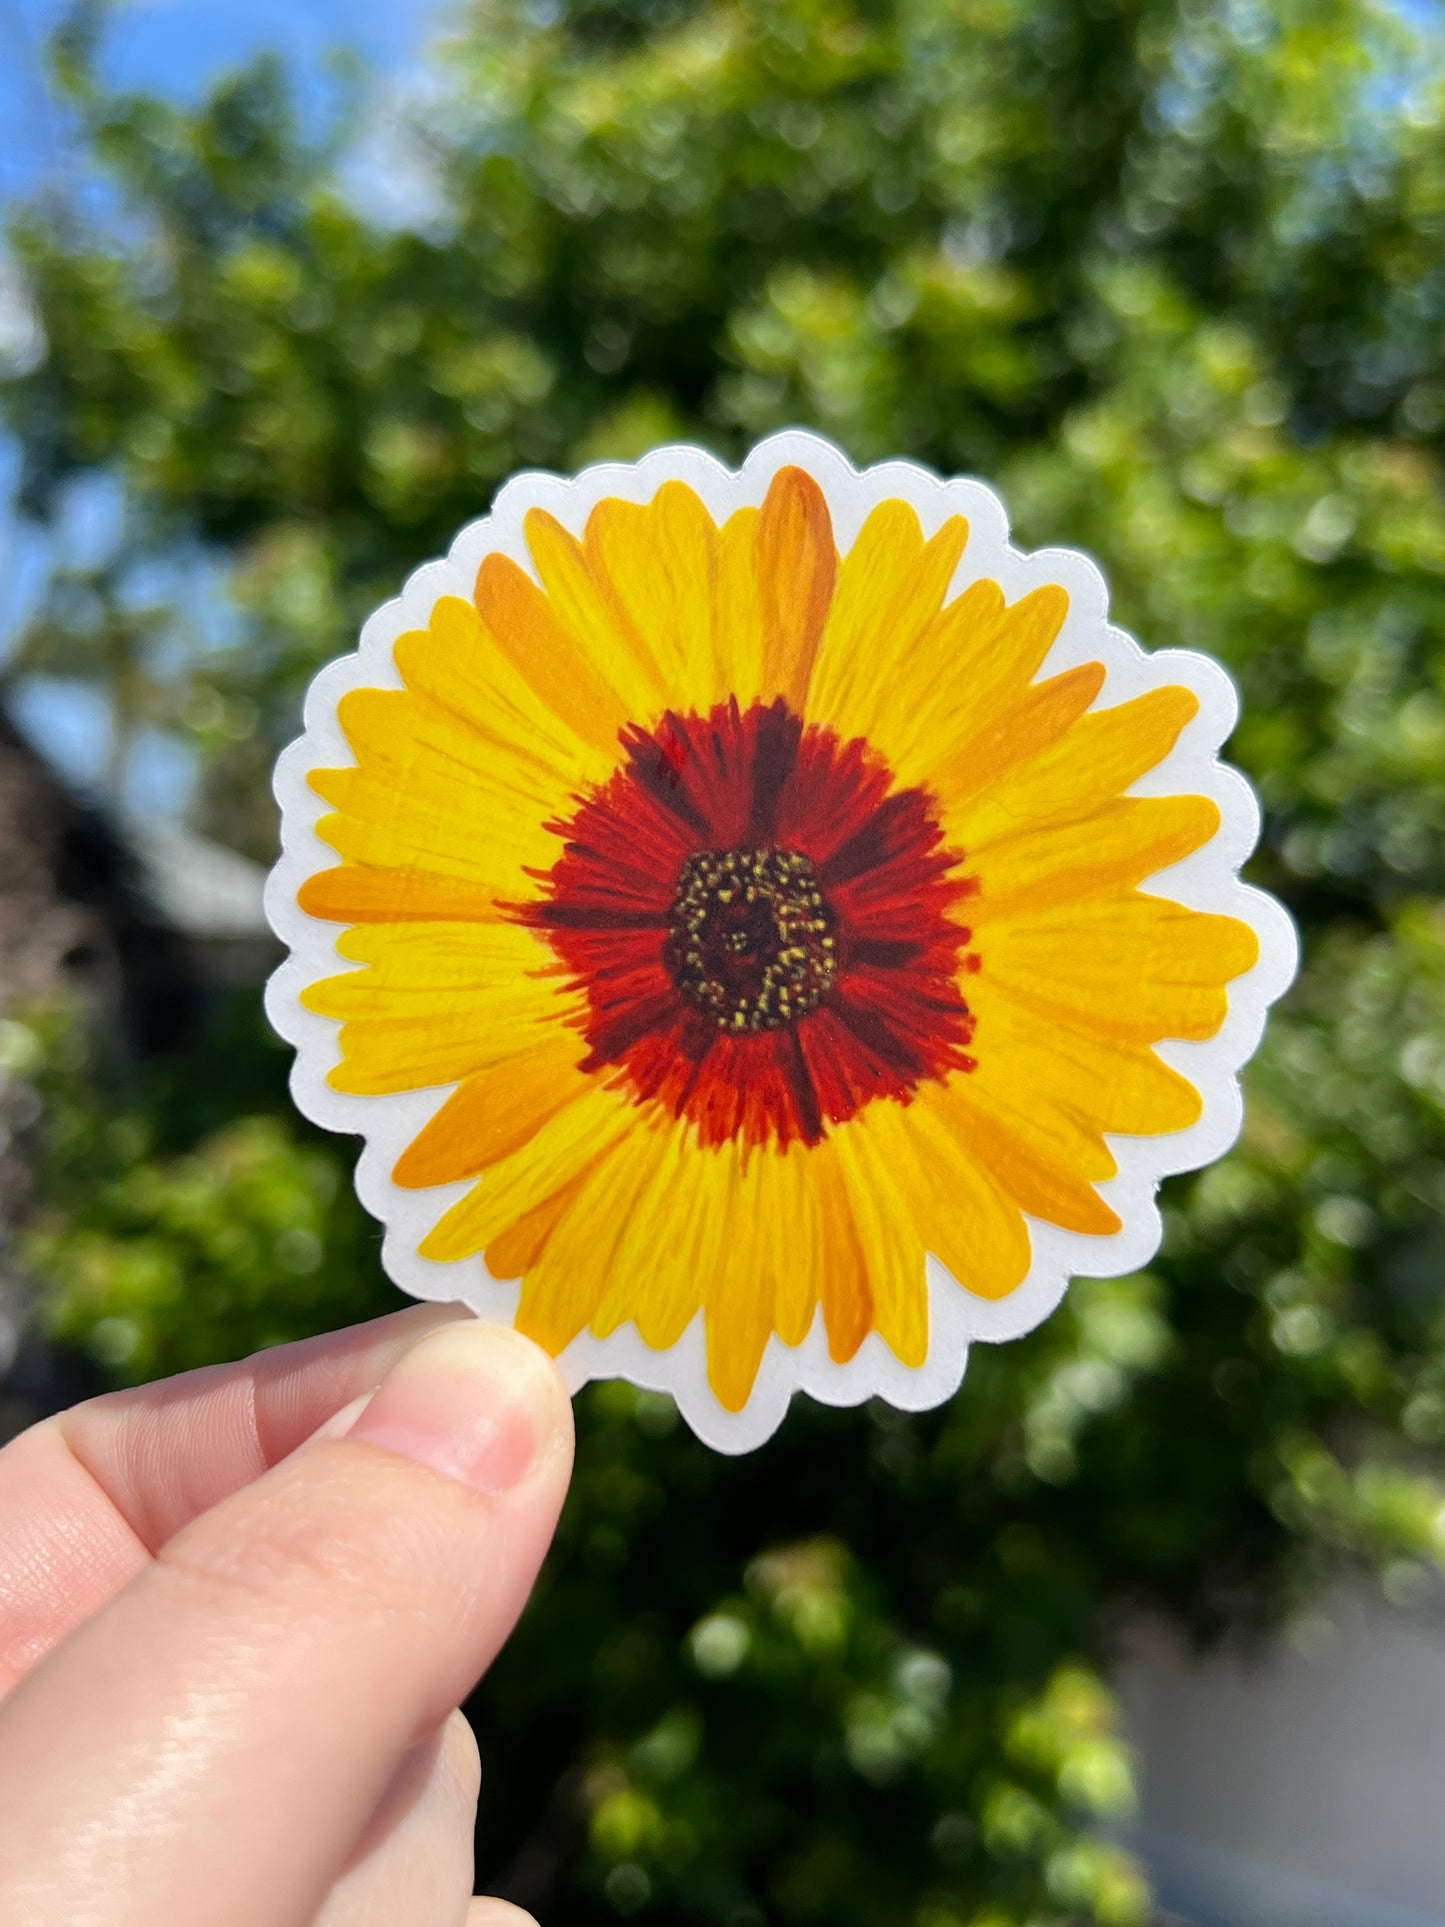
{"x": 756, "y": 908}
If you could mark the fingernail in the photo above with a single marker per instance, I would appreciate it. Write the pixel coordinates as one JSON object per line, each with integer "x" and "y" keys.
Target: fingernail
{"x": 340, "y": 1423}
{"x": 478, "y": 1403}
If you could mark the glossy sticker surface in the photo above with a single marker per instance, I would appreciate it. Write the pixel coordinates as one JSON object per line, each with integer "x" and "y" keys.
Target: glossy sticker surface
{"x": 768, "y": 931}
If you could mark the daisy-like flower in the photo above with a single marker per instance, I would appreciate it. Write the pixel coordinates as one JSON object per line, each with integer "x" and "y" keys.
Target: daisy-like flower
{"x": 756, "y": 903}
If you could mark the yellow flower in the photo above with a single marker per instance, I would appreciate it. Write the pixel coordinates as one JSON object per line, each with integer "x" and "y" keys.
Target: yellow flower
{"x": 774, "y": 925}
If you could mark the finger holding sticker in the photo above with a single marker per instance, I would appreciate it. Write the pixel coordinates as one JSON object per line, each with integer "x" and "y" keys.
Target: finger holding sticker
{"x": 769, "y": 932}
{"x": 238, "y": 1611}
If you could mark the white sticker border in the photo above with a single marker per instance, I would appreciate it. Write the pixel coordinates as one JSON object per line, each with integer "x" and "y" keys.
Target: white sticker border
{"x": 1206, "y": 880}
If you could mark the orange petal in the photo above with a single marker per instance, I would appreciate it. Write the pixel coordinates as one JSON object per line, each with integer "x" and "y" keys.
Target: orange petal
{"x": 797, "y": 567}
{"x": 845, "y": 1290}
{"x": 553, "y": 664}
{"x": 361, "y": 893}
{"x": 493, "y": 1113}
{"x": 737, "y": 1337}
{"x": 1041, "y": 1158}
{"x": 1024, "y": 731}
{"x": 518, "y": 1249}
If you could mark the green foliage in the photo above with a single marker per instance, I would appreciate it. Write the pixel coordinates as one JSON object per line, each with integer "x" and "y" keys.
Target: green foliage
{"x": 1169, "y": 273}
{"x": 168, "y": 1238}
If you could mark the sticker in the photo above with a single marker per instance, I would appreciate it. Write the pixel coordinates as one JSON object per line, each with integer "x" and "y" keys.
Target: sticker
{"x": 768, "y": 931}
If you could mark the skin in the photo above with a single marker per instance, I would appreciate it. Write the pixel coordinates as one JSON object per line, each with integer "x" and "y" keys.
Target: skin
{"x": 238, "y": 1612}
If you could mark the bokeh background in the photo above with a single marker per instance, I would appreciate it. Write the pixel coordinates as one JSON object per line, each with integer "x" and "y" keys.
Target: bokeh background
{"x": 285, "y": 293}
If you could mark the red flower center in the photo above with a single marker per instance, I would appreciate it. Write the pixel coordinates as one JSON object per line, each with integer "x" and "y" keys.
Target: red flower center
{"x": 762, "y": 924}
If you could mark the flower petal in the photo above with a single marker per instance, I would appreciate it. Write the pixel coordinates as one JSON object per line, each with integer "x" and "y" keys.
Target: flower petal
{"x": 889, "y": 1252}
{"x": 1041, "y": 1157}
{"x": 435, "y": 1003}
{"x": 665, "y": 1229}
{"x": 971, "y": 665}
{"x": 1095, "y": 761}
{"x": 962, "y": 1214}
{"x": 566, "y": 1146}
{"x": 1052, "y": 1061}
{"x": 494, "y": 1112}
{"x": 565, "y": 1284}
{"x": 556, "y": 665}
{"x": 1021, "y": 734}
{"x": 455, "y": 664}
{"x": 891, "y": 585}
{"x": 519, "y": 1248}
{"x": 362, "y": 893}
{"x": 584, "y": 604}
{"x": 427, "y": 796}
{"x": 797, "y": 566}
{"x": 1100, "y": 855}
{"x": 737, "y": 610}
{"x": 1134, "y": 969}
{"x": 655, "y": 564}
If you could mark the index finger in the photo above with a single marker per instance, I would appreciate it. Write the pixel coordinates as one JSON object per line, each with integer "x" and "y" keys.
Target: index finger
{"x": 87, "y": 1497}
{"x": 211, "y": 1744}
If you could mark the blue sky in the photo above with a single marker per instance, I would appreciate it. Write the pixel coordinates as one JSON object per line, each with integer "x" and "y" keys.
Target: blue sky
{"x": 176, "y": 48}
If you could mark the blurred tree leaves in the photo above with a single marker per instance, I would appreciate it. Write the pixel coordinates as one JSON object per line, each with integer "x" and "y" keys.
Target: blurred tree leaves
{"x": 1171, "y": 273}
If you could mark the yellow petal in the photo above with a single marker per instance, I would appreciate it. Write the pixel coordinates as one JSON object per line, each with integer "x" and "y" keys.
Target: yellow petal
{"x": 771, "y": 1264}
{"x": 564, "y": 1286}
{"x": 557, "y": 666}
{"x": 588, "y": 609}
{"x": 567, "y": 1145}
{"x": 716, "y": 1225}
{"x": 962, "y": 1214}
{"x": 797, "y": 565}
{"x": 446, "y": 959}
{"x": 890, "y": 1250}
{"x": 971, "y": 665}
{"x": 1040, "y": 1157}
{"x": 1032, "y": 871}
{"x": 431, "y": 792}
{"x": 1044, "y": 713}
{"x": 670, "y": 1243}
{"x": 656, "y": 565}
{"x": 1136, "y": 968}
{"x": 418, "y": 817}
{"x": 1099, "y": 757}
{"x": 1050, "y": 1058}
{"x": 738, "y": 615}
{"x": 415, "y": 744}
{"x": 436, "y": 1002}
{"x": 665, "y": 1228}
{"x": 891, "y": 584}
{"x": 494, "y": 1113}
{"x": 455, "y": 664}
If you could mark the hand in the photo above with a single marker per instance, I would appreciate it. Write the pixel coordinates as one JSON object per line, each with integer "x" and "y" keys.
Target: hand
{"x": 238, "y": 1611}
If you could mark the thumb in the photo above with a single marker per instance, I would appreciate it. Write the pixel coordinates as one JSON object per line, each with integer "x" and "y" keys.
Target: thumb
{"x": 211, "y": 1744}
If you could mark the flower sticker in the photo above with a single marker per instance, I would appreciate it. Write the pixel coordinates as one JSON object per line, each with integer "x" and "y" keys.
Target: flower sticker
{"x": 768, "y": 931}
